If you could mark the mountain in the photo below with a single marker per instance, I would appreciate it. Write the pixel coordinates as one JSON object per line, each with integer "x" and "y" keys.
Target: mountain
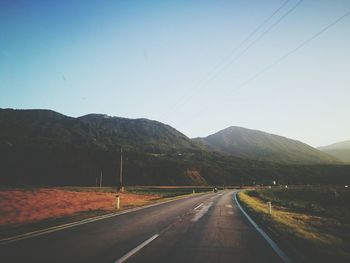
{"x": 254, "y": 144}
{"x": 340, "y": 150}
{"x": 96, "y": 129}
{"x": 75, "y": 150}
{"x": 43, "y": 147}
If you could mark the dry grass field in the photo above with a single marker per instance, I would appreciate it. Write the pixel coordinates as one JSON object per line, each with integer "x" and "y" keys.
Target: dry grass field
{"x": 21, "y": 206}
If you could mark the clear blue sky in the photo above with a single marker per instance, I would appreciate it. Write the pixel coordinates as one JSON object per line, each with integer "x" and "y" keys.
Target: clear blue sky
{"x": 153, "y": 59}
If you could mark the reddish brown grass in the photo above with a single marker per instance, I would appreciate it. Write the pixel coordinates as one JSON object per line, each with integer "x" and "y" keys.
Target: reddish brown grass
{"x": 20, "y": 206}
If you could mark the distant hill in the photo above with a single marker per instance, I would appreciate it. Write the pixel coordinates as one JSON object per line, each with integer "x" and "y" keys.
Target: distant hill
{"x": 253, "y": 144}
{"x": 95, "y": 129}
{"x": 44, "y": 142}
{"x": 43, "y": 147}
{"x": 340, "y": 150}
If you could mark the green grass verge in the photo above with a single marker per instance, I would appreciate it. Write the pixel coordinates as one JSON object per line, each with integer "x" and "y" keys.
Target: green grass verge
{"x": 310, "y": 223}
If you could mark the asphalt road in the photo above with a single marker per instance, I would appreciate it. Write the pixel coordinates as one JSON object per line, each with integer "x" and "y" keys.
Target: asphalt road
{"x": 201, "y": 228}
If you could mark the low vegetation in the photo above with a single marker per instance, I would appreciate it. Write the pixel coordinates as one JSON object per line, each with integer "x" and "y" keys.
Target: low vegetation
{"x": 21, "y": 206}
{"x": 312, "y": 224}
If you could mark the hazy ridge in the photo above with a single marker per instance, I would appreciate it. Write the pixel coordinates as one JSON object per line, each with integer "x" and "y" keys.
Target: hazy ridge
{"x": 43, "y": 147}
{"x": 340, "y": 150}
{"x": 254, "y": 144}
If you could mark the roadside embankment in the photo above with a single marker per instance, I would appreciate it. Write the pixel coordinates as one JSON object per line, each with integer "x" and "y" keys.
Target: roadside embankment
{"x": 309, "y": 224}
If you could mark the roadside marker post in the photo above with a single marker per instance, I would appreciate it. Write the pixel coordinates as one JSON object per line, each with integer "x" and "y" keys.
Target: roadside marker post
{"x": 269, "y": 207}
{"x": 118, "y": 202}
{"x": 193, "y": 192}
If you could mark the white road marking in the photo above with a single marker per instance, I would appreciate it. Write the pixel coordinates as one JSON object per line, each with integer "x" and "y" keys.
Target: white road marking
{"x": 230, "y": 212}
{"x": 274, "y": 246}
{"x": 229, "y": 206}
{"x": 200, "y": 213}
{"x": 198, "y": 206}
{"x": 136, "y": 249}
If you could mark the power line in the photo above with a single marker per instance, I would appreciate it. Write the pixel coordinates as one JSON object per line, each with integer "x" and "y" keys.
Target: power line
{"x": 263, "y": 23}
{"x": 260, "y": 37}
{"x": 286, "y": 55}
{"x": 257, "y": 30}
{"x": 256, "y": 40}
{"x": 301, "y": 45}
{"x": 185, "y": 98}
{"x": 226, "y": 66}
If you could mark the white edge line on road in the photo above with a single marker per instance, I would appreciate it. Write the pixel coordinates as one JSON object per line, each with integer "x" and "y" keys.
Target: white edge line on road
{"x": 84, "y": 221}
{"x": 274, "y": 246}
{"x": 136, "y": 249}
{"x": 198, "y": 206}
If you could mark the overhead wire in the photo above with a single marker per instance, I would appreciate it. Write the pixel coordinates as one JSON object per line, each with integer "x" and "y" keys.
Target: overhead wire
{"x": 185, "y": 98}
{"x": 231, "y": 61}
{"x": 301, "y": 45}
{"x": 283, "y": 57}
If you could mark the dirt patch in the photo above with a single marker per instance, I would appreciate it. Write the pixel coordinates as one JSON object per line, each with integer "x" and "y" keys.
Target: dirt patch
{"x": 19, "y": 206}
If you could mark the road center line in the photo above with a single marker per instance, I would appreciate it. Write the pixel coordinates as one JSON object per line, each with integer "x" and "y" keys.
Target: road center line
{"x": 136, "y": 249}
{"x": 198, "y": 206}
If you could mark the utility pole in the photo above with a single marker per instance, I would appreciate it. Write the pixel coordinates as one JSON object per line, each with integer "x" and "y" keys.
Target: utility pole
{"x": 121, "y": 170}
{"x": 101, "y": 179}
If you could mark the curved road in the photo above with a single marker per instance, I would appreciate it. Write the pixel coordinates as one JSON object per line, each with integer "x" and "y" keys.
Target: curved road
{"x": 200, "y": 228}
